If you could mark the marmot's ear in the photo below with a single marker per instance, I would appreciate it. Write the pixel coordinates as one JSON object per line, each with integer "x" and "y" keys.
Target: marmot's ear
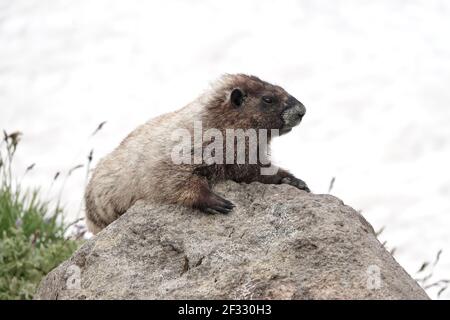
{"x": 237, "y": 97}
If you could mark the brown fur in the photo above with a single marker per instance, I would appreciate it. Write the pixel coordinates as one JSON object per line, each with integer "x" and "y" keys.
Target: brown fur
{"x": 140, "y": 168}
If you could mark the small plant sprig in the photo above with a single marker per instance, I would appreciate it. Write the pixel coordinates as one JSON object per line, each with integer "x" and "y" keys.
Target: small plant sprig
{"x": 331, "y": 185}
{"x": 426, "y": 272}
{"x": 9, "y": 143}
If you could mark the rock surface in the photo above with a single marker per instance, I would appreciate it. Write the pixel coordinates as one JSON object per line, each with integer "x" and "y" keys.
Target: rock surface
{"x": 278, "y": 243}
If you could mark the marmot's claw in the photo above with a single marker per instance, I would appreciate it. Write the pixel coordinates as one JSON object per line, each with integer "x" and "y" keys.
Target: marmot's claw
{"x": 219, "y": 205}
{"x": 216, "y": 210}
{"x": 295, "y": 182}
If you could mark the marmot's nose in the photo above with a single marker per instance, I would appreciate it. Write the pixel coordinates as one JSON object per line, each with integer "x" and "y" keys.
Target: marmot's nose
{"x": 293, "y": 112}
{"x": 299, "y": 115}
{"x": 299, "y": 107}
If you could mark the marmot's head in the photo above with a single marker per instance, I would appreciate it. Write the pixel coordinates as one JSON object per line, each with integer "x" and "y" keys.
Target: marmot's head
{"x": 243, "y": 101}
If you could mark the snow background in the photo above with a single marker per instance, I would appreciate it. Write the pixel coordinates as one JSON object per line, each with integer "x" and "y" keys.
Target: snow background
{"x": 374, "y": 76}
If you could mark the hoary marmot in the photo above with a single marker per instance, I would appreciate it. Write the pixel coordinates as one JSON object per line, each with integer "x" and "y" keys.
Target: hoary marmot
{"x": 142, "y": 166}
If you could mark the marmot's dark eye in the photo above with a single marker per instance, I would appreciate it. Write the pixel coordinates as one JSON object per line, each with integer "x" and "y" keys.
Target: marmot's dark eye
{"x": 267, "y": 99}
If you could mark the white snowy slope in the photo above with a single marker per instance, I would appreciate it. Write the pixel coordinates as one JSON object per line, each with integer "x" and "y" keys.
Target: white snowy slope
{"x": 374, "y": 76}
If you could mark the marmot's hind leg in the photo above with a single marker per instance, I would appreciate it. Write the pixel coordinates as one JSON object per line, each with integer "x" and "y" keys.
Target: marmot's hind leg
{"x": 196, "y": 193}
{"x": 99, "y": 214}
{"x": 92, "y": 227}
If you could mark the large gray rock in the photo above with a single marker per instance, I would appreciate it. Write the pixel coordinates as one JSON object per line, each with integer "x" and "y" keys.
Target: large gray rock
{"x": 278, "y": 243}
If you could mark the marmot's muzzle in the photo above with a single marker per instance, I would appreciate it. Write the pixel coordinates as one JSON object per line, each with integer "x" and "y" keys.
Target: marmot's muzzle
{"x": 293, "y": 114}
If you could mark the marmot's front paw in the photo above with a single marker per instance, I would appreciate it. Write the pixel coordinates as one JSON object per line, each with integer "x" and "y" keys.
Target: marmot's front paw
{"x": 217, "y": 204}
{"x": 293, "y": 181}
